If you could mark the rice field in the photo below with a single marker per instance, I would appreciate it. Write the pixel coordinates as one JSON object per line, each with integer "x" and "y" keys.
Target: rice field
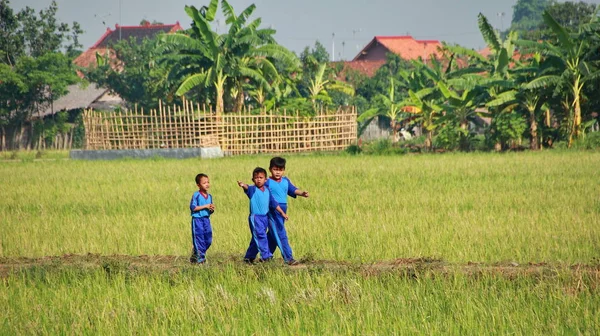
{"x": 437, "y": 244}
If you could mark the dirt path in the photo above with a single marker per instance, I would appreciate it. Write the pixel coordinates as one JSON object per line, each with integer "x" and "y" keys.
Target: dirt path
{"x": 408, "y": 265}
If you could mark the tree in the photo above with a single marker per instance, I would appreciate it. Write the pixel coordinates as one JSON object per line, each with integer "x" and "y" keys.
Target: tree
{"x": 387, "y": 105}
{"x": 568, "y": 14}
{"x": 33, "y": 69}
{"x": 567, "y": 64}
{"x": 228, "y": 61}
{"x": 133, "y": 73}
{"x": 527, "y": 14}
{"x": 319, "y": 87}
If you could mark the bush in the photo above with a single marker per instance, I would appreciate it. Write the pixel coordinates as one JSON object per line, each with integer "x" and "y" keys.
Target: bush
{"x": 353, "y": 149}
{"x": 383, "y": 147}
{"x": 588, "y": 141}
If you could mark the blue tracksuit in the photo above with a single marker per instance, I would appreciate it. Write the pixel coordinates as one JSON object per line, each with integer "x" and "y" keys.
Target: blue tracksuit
{"x": 277, "y": 234}
{"x": 261, "y": 201}
{"x": 201, "y": 229}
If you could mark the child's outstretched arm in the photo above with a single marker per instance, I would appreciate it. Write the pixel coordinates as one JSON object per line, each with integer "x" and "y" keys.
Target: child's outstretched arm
{"x": 302, "y": 193}
{"x": 242, "y": 185}
{"x": 283, "y": 214}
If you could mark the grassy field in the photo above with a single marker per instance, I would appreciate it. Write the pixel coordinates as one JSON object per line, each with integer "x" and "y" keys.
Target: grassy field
{"x": 500, "y": 212}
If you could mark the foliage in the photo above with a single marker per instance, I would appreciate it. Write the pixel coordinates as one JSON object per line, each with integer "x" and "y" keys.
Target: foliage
{"x": 33, "y": 69}
{"x": 32, "y": 84}
{"x": 201, "y": 59}
{"x": 567, "y": 65}
{"x": 133, "y": 73}
{"x": 568, "y": 14}
{"x": 506, "y": 128}
{"x": 527, "y": 14}
{"x": 26, "y": 34}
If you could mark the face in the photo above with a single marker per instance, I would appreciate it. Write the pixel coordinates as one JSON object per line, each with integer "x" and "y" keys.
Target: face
{"x": 277, "y": 173}
{"x": 259, "y": 179}
{"x": 204, "y": 184}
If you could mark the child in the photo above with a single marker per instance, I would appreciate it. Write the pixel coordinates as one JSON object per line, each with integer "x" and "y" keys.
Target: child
{"x": 280, "y": 186}
{"x": 201, "y": 207}
{"x": 261, "y": 201}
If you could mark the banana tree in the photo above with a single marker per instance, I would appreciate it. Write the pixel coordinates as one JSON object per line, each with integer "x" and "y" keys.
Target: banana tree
{"x": 388, "y": 107}
{"x": 244, "y": 54}
{"x": 460, "y": 107}
{"x": 533, "y": 102}
{"x": 424, "y": 110}
{"x": 567, "y": 65}
{"x": 319, "y": 87}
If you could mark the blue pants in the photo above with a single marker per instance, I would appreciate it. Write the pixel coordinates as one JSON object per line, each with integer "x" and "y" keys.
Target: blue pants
{"x": 258, "y": 229}
{"x": 277, "y": 235}
{"x": 201, "y": 237}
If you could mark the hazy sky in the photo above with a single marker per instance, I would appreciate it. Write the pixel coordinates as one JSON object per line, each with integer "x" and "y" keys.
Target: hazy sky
{"x": 301, "y": 22}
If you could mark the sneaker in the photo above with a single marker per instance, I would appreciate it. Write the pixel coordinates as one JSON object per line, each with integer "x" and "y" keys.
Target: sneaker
{"x": 249, "y": 261}
{"x": 261, "y": 260}
{"x": 292, "y": 262}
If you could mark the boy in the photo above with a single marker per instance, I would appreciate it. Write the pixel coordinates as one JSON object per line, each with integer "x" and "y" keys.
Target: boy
{"x": 201, "y": 207}
{"x": 281, "y": 187}
{"x": 261, "y": 201}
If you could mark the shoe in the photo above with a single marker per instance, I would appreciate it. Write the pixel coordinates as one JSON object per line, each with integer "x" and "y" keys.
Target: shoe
{"x": 261, "y": 260}
{"x": 249, "y": 261}
{"x": 292, "y": 262}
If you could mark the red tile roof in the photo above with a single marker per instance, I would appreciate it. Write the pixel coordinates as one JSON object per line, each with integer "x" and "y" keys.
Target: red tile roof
{"x": 404, "y": 46}
{"x": 88, "y": 58}
{"x": 138, "y": 32}
{"x": 368, "y": 68}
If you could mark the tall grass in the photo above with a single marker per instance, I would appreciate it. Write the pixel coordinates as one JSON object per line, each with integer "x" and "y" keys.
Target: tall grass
{"x": 278, "y": 301}
{"x": 487, "y": 208}
{"x": 458, "y": 207}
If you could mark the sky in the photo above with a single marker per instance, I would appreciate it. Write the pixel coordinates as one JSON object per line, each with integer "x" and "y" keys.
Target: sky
{"x": 344, "y": 27}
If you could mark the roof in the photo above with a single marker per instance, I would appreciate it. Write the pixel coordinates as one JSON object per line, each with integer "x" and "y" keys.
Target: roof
{"x": 404, "y": 46}
{"x": 110, "y": 37}
{"x": 365, "y": 67}
{"x": 78, "y": 97}
{"x": 88, "y": 58}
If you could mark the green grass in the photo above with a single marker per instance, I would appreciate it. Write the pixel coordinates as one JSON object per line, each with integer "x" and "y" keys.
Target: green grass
{"x": 276, "y": 301}
{"x": 460, "y": 208}
{"x": 34, "y": 155}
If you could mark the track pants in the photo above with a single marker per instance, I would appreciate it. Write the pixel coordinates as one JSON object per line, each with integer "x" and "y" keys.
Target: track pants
{"x": 258, "y": 243}
{"x": 201, "y": 237}
{"x": 277, "y": 235}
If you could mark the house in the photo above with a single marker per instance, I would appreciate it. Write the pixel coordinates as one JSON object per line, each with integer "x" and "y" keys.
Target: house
{"x": 111, "y": 37}
{"x": 92, "y": 96}
{"x": 373, "y": 55}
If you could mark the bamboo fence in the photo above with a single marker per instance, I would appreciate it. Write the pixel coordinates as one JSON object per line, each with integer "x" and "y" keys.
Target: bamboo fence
{"x": 192, "y": 126}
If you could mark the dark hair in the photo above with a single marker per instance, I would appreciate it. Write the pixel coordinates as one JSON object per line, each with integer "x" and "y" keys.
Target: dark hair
{"x": 199, "y": 177}
{"x": 258, "y": 170}
{"x": 278, "y": 162}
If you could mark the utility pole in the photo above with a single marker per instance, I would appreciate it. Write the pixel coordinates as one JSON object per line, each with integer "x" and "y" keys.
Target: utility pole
{"x": 120, "y": 21}
{"x": 333, "y": 47}
{"x": 501, "y": 16}
{"x": 354, "y": 31}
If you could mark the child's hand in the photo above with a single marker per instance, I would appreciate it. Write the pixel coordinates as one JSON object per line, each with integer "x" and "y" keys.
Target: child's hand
{"x": 211, "y": 207}
{"x": 285, "y": 216}
{"x": 304, "y": 194}
{"x": 240, "y": 183}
